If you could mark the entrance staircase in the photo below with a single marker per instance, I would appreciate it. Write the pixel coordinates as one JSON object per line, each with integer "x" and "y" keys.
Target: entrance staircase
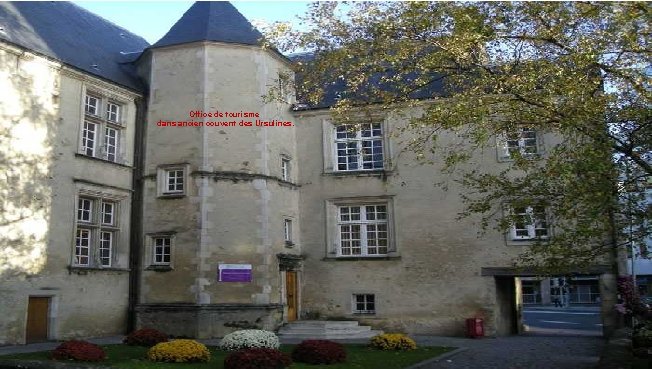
{"x": 325, "y": 330}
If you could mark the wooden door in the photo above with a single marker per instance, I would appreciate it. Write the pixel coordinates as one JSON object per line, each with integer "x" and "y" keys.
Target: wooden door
{"x": 37, "y": 319}
{"x": 291, "y": 294}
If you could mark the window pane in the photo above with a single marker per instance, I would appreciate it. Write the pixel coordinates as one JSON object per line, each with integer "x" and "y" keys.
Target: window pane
{"x": 162, "y": 250}
{"x": 88, "y": 138}
{"x": 107, "y": 213}
{"x": 106, "y": 243}
{"x": 111, "y": 143}
{"x": 82, "y": 246}
{"x": 113, "y": 112}
{"x": 84, "y": 210}
{"x": 91, "y": 105}
{"x": 175, "y": 179}
{"x": 355, "y": 212}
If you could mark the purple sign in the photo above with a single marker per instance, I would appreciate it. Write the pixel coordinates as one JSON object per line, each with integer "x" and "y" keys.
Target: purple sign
{"x": 234, "y": 272}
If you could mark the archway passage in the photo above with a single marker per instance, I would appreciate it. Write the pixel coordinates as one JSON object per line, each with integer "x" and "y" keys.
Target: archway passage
{"x": 577, "y": 305}
{"x": 563, "y": 305}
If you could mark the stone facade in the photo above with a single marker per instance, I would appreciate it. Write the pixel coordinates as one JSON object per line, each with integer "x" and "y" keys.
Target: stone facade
{"x": 309, "y": 228}
{"x": 44, "y": 176}
{"x": 233, "y": 208}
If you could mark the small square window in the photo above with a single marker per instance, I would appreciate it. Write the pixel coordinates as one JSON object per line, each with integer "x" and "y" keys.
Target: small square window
{"x": 529, "y": 223}
{"x": 364, "y": 304}
{"x": 523, "y": 142}
{"x": 174, "y": 181}
{"x": 162, "y": 250}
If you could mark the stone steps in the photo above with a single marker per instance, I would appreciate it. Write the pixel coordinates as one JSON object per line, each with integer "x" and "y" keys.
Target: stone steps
{"x": 326, "y": 330}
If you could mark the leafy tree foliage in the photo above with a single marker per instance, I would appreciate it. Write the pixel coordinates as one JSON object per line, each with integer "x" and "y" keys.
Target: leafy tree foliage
{"x": 576, "y": 72}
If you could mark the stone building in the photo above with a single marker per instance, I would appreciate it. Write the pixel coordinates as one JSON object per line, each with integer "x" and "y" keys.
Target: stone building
{"x": 153, "y": 185}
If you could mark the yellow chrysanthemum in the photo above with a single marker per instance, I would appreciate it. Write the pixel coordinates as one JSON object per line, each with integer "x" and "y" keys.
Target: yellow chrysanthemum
{"x": 393, "y": 341}
{"x": 179, "y": 351}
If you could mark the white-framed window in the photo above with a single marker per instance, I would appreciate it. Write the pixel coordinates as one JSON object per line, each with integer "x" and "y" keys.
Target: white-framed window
{"x": 110, "y": 144}
{"x": 161, "y": 250}
{"x": 529, "y": 223}
{"x": 89, "y": 138}
{"x": 92, "y": 104}
{"x": 285, "y": 168}
{"x": 364, "y": 303}
{"x": 96, "y": 230}
{"x": 106, "y": 248}
{"x": 363, "y": 230}
{"x": 358, "y": 147}
{"x": 84, "y": 210}
{"x": 82, "y": 247}
{"x": 113, "y": 112}
{"x": 523, "y": 142}
{"x": 108, "y": 212}
{"x": 287, "y": 231}
{"x": 101, "y": 129}
{"x": 174, "y": 181}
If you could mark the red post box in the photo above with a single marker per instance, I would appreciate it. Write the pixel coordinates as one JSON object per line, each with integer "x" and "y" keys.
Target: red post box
{"x": 474, "y": 328}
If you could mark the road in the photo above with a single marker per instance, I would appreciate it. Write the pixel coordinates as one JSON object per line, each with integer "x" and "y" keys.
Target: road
{"x": 586, "y": 320}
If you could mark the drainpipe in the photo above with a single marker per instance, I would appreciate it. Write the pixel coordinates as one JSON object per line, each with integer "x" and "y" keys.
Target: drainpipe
{"x": 136, "y": 239}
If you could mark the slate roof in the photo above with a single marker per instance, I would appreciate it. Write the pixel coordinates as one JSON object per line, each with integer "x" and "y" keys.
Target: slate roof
{"x": 75, "y": 36}
{"x": 337, "y": 89}
{"x": 211, "y": 21}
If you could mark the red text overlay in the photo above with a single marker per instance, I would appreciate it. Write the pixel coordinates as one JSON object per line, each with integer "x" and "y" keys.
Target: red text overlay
{"x": 217, "y": 118}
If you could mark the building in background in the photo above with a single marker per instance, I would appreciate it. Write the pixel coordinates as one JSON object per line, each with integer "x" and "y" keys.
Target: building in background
{"x": 639, "y": 263}
{"x": 578, "y": 289}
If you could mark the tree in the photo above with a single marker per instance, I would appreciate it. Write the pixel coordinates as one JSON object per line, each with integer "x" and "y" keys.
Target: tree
{"x": 571, "y": 70}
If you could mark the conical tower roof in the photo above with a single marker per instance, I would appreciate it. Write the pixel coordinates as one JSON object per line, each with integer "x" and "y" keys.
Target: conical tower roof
{"x": 211, "y": 21}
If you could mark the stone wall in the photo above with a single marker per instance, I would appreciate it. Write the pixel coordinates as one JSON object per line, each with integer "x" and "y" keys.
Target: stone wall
{"x": 208, "y": 321}
{"x": 44, "y": 173}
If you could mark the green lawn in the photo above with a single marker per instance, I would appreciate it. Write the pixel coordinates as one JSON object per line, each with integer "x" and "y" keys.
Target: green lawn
{"x": 358, "y": 357}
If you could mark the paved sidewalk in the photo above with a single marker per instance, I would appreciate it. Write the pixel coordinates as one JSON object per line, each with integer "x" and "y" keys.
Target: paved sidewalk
{"x": 519, "y": 352}
{"x": 48, "y": 346}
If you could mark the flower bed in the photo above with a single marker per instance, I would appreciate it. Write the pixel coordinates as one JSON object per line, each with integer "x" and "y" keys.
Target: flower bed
{"x": 78, "y": 351}
{"x": 319, "y": 352}
{"x": 249, "y": 338}
{"x": 179, "y": 351}
{"x": 393, "y": 341}
{"x": 145, "y": 337}
{"x": 257, "y": 358}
